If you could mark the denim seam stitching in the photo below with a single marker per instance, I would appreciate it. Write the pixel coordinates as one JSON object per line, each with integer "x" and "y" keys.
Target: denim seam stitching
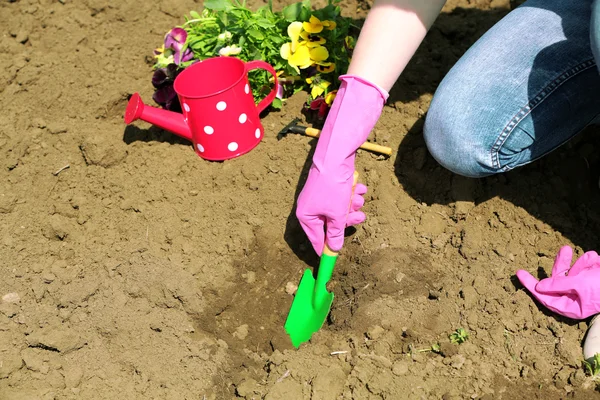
{"x": 531, "y": 105}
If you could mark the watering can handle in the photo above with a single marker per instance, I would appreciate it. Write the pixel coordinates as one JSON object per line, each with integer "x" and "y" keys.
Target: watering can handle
{"x": 255, "y": 64}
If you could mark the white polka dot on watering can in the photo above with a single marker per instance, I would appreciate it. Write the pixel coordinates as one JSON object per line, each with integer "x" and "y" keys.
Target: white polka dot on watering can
{"x": 233, "y": 146}
{"x": 221, "y": 105}
{"x": 247, "y": 89}
{"x": 200, "y": 148}
{"x": 209, "y": 130}
{"x": 243, "y": 118}
{"x": 257, "y": 133}
{"x": 186, "y": 107}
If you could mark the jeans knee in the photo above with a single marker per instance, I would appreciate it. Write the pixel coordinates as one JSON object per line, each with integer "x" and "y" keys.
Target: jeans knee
{"x": 454, "y": 144}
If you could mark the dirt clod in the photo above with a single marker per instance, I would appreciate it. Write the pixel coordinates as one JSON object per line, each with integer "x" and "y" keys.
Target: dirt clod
{"x": 241, "y": 332}
{"x": 56, "y": 339}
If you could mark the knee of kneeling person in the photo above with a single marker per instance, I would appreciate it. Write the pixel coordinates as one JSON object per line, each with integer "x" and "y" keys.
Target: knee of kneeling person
{"x": 457, "y": 149}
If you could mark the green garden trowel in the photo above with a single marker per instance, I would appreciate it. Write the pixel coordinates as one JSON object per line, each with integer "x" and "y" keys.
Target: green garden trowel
{"x": 312, "y": 302}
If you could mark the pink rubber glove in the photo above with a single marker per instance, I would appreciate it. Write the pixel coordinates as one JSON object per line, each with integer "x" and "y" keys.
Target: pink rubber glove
{"x": 570, "y": 292}
{"x": 323, "y": 205}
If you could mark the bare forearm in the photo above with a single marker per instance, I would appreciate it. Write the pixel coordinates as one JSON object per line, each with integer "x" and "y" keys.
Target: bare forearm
{"x": 392, "y": 32}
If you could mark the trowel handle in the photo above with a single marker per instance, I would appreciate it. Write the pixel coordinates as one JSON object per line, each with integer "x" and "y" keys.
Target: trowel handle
{"x": 329, "y": 252}
{"x": 326, "y": 249}
{"x": 328, "y": 259}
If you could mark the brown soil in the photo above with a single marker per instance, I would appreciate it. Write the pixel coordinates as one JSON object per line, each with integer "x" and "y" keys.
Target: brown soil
{"x": 145, "y": 272}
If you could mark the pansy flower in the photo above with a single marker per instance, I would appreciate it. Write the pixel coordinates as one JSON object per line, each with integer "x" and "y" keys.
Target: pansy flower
{"x": 325, "y": 67}
{"x": 173, "y": 50}
{"x": 296, "y": 53}
{"x": 318, "y": 86}
{"x": 312, "y": 40}
{"x": 315, "y": 25}
{"x": 320, "y": 106}
{"x": 329, "y": 97}
{"x": 175, "y": 40}
{"x": 165, "y": 95}
{"x": 319, "y": 54}
{"x": 167, "y": 98}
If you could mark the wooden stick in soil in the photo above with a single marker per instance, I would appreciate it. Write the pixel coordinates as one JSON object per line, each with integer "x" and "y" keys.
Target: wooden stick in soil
{"x": 312, "y": 132}
{"x": 55, "y": 173}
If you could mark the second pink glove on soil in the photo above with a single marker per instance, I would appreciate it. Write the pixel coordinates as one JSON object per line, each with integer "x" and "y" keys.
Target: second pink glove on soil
{"x": 326, "y": 205}
{"x": 570, "y": 291}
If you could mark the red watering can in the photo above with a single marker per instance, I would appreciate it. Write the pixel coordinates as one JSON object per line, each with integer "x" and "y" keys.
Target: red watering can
{"x": 219, "y": 114}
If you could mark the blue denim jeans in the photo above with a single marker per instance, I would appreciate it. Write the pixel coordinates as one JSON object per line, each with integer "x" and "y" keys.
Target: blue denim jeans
{"x": 524, "y": 88}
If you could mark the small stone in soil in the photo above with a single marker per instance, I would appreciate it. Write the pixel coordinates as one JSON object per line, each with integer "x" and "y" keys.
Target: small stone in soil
{"x": 250, "y": 277}
{"x": 22, "y": 36}
{"x": 277, "y": 357}
{"x": 400, "y": 276}
{"x": 375, "y": 332}
{"x": 458, "y": 361}
{"x": 291, "y": 288}
{"x": 246, "y": 387}
{"x": 400, "y": 368}
{"x": 56, "y": 128}
{"x": 241, "y": 332}
{"x": 11, "y": 298}
{"x": 48, "y": 277}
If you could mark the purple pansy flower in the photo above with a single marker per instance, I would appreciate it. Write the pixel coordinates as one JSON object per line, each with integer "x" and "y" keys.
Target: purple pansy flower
{"x": 165, "y": 95}
{"x": 175, "y": 40}
{"x": 167, "y": 98}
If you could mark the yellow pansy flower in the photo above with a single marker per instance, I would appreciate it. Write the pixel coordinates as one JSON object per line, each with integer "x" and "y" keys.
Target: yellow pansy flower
{"x": 330, "y": 25}
{"x": 285, "y": 51}
{"x": 314, "y": 25}
{"x": 294, "y": 30}
{"x": 318, "y": 86}
{"x": 325, "y": 67}
{"x": 163, "y": 56}
{"x": 312, "y": 40}
{"x": 329, "y": 97}
{"x": 319, "y": 53}
{"x": 298, "y": 59}
{"x": 349, "y": 41}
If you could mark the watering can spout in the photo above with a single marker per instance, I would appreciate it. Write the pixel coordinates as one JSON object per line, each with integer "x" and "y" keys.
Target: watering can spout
{"x": 168, "y": 120}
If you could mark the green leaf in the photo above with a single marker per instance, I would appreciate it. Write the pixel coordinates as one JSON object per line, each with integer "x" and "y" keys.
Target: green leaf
{"x": 304, "y": 14}
{"x": 197, "y": 46}
{"x": 224, "y": 18}
{"x": 277, "y": 103}
{"x": 195, "y": 15}
{"x": 218, "y": 5}
{"x": 264, "y": 23}
{"x": 291, "y": 12}
{"x": 256, "y": 34}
